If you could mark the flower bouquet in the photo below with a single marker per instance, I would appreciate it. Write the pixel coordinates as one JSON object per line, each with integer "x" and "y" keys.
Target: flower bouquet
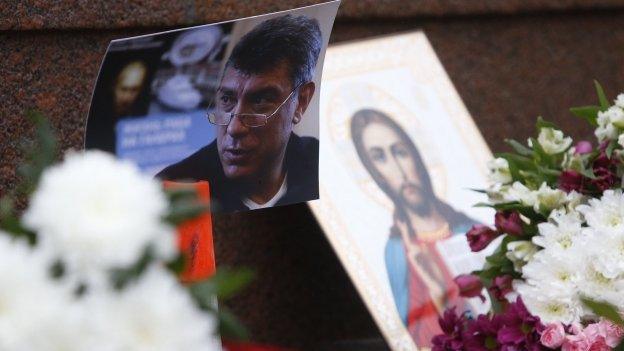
{"x": 556, "y": 277}
{"x": 92, "y": 264}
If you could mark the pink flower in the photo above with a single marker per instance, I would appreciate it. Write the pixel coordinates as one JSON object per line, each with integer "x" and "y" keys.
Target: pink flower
{"x": 553, "y": 336}
{"x": 508, "y": 222}
{"x": 601, "y": 336}
{"x": 599, "y": 344}
{"x": 611, "y": 333}
{"x": 480, "y": 236}
{"x": 583, "y": 147}
{"x": 469, "y": 285}
{"x": 578, "y": 342}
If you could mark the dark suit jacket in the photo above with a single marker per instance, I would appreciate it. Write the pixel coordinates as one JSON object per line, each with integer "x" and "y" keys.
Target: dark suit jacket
{"x": 301, "y": 162}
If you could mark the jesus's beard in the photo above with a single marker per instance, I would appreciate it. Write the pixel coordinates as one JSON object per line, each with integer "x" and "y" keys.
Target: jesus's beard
{"x": 423, "y": 207}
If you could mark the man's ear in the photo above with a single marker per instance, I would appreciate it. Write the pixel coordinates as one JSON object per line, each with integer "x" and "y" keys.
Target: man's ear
{"x": 306, "y": 92}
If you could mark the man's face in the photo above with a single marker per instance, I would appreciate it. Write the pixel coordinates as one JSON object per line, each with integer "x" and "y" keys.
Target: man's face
{"x": 246, "y": 152}
{"x": 128, "y": 86}
{"x": 391, "y": 157}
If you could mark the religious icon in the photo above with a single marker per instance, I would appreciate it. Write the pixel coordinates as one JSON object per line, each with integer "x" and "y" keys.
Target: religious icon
{"x": 400, "y": 154}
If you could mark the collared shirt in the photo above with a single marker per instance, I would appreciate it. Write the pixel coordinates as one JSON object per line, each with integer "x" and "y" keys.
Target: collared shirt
{"x": 300, "y": 163}
{"x": 252, "y": 205}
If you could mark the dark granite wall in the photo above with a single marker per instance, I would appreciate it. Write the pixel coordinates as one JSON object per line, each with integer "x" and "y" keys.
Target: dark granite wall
{"x": 509, "y": 60}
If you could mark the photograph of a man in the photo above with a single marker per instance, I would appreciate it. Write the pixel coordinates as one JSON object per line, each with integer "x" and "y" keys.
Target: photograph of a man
{"x": 421, "y": 284}
{"x": 257, "y": 160}
{"x": 127, "y": 88}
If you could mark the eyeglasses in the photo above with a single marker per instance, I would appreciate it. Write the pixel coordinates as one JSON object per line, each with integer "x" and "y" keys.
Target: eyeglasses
{"x": 252, "y": 120}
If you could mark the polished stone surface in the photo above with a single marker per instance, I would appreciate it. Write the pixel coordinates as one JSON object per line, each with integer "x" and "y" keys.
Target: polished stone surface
{"x": 39, "y": 14}
{"x": 507, "y": 68}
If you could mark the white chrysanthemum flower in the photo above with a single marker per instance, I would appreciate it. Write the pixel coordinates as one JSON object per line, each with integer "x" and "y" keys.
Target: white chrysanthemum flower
{"x": 519, "y": 192}
{"x": 571, "y": 160}
{"x": 96, "y": 213}
{"x": 621, "y": 140}
{"x": 71, "y": 332}
{"x": 594, "y": 284}
{"x": 557, "y": 272}
{"x": 606, "y": 251}
{"x": 547, "y": 198}
{"x": 29, "y": 299}
{"x": 520, "y": 252}
{"x": 605, "y": 215}
{"x": 609, "y": 123}
{"x": 550, "y": 305}
{"x": 553, "y": 141}
{"x": 153, "y": 314}
{"x": 499, "y": 193}
{"x": 606, "y": 132}
{"x": 499, "y": 171}
{"x": 561, "y": 233}
{"x": 615, "y": 115}
{"x": 619, "y": 101}
{"x": 573, "y": 199}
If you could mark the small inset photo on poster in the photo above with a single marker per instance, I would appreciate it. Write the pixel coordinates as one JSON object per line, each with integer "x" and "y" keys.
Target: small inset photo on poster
{"x": 234, "y": 104}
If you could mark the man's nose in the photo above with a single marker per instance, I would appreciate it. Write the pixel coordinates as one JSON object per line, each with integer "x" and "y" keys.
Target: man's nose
{"x": 398, "y": 166}
{"x": 236, "y": 126}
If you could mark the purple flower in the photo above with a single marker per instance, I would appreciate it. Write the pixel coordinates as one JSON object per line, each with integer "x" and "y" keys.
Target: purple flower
{"x": 520, "y": 330}
{"x": 583, "y": 147}
{"x": 469, "y": 285}
{"x": 604, "y": 171}
{"x": 480, "y": 334}
{"x": 508, "y": 222}
{"x": 452, "y": 326}
{"x": 501, "y": 286}
{"x": 480, "y": 236}
{"x": 605, "y": 179}
{"x": 570, "y": 180}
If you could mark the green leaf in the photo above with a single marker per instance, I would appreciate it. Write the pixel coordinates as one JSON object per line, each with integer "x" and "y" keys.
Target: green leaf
{"x": 588, "y": 172}
{"x": 180, "y": 212}
{"x": 224, "y": 284}
{"x": 497, "y": 307}
{"x": 121, "y": 277}
{"x": 57, "y": 269}
{"x": 549, "y": 171}
{"x": 181, "y": 194}
{"x": 519, "y": 148}
{"x": 612, "y": 145}
{"x": 588, "y": 113}
{"x": 604, "y": 102}
{"x": 230, "y": 327}
{"x": 14, "y": 227}
{"x": 177, "y": 265}
{"x": 509, "y": 206}
{"x": 516, "y": 163}
{"x": 482, "y": 191}
{"x": 540, "y": 156}
{"x": 541, "y": 123}
{"x": 604, "y": 309}
{"x": 38, "y": 155}
{"x": 489, "y": 273}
